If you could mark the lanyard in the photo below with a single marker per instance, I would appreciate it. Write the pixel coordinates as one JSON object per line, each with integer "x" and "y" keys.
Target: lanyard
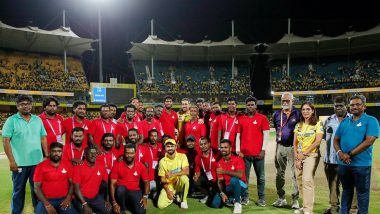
{"x": 151, "y": 153}
{"x": 104, "y": 128}
{"x": 134, "y": 126}
{"x": 82, "y": 122}
{"x": 59, "y": 126}
{"x": 281, "y": 123}
{"x": 204, "y": 169}
{"x": 105, "y": 160}
{"x": 72, "y": 152}
{"x": 233, "y": 123}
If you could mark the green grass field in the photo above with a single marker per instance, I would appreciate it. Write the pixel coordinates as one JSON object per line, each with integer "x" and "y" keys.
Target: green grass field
{"x": 321, "y": 193}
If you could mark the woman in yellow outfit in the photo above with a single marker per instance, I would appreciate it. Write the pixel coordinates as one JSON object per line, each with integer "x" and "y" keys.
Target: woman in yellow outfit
{"x": 307, "y": 137}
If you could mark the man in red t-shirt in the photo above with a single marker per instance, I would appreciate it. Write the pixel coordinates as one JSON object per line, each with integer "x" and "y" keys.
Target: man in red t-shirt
{"x": 150, "y": 123}
{"x": 109, "y": 154}
{"x": 52, "y": 121}
{"x": 205, "y": 170}
{"x": 194, "y": 128}
{"x": 100, "y": 126}
{"x": 74, "y": 151}
{"x": 231, "y": 178}
{"x": 169, "y": 118}
{"x": 251, "y": 140}
{"x": 228, "y": 123}
{"x": 53, "y": 183}
{"x": 214, "y": 125}
{"x": 77, "y": 120}
{"x": 125, "y": 184}
{"x": 87, "y": 180}
{"x": 128, "y": 122}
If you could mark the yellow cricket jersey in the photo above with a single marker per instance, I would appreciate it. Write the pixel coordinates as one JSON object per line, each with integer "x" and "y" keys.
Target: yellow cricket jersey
{"x": 182, "y": 118}
{"x": 172, "y": 165}
{"x": 306, "y": 135}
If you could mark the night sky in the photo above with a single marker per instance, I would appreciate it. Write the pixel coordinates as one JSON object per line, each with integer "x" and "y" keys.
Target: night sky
{"x": 124, "y": 21}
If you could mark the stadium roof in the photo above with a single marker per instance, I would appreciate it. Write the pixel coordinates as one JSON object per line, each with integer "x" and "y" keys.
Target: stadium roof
{"x": 184, "y": 51}
{"x": 33, "y": 39}
{"x": 320, "y": 45}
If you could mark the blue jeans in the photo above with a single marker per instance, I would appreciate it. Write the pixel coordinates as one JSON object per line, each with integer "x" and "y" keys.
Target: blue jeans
{"x": 19, "y": 180}
{"x": 358, "y": 178}
{"x": 55, "y": 202}
{"x": 258, "y": 166}
{"x": 234, "y": 190}
{"x": 97, "y": 205}
{"x": 129, "y": 198}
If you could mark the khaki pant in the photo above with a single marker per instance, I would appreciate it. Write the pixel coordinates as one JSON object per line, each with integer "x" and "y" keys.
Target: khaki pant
{"x": 285, "y": 157}
{"x": 305, "y": 180}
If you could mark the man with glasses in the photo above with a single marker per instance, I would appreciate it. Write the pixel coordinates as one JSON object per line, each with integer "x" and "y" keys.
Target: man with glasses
{"x": 284, "y": 121}
{"x": 24, "y": 140}
{"x": 353, "y": 142}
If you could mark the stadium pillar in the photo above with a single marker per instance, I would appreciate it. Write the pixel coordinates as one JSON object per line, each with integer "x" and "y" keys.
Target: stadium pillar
{"x": 288, "y": 58}
{"x": 64, "y": 51}
{"x": 100, "y": 46}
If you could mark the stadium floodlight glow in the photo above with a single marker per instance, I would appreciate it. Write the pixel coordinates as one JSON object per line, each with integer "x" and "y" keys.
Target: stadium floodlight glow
{"x": 272, "y": 92}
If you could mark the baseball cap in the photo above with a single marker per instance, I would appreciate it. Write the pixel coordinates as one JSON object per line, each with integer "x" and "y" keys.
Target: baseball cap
{"x": 172, "y": 141}
{"x": 190, "y": 137}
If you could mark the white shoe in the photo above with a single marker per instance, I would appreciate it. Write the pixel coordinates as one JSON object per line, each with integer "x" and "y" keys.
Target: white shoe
{"x": 295, "y": 204}
{"x": 204, "y": 199}
{"x": 184, "y": 205}
{"x": 237, "y": 208}
{"x": 177, "y": 198}
{"x": 298, "y": 211}
{"x": 281, "y": 202}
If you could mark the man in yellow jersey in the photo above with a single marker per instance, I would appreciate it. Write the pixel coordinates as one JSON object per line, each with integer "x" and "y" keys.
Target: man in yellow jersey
{"x": 173, "y": 170}
{"x": 184, "y": 113}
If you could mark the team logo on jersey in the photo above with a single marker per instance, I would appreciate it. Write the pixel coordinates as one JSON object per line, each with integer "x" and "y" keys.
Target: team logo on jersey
{"x": 359, "y": 124}
{"x": 194, "y": 127}
{"x": 135, "y": 173}
{"x": 64, "y": 171}
{"x": 85, "y": 128}
{"x": 294, "y": 120}
{"x": 213, "y": 160}
{"x": 232, "y": 167}
{"x": 173, "y": 117}
{"x": 255, "y": 122}
{"x": 98, "y": 174}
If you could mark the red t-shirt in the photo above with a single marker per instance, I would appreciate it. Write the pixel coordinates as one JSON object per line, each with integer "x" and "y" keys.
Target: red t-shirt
{"x": 71, "y": 123}
{"x": 205, "y": 167}
{"x": 142, "y": 153}
{"x": 53, "y": 128}
{"x": 169, "y": 122}
{"x": 122, "y": 128}
{"x": 99, "y": 127}
{"x": 234, "y": 164}
{"x": 146, "y": 127}
{"x": 196, "y": 130}
{"x": 89, "y": 178}
{"x": 138, "y": 117}
{"x": 54, "y": 181}
{"x": 251, "y": 133}
{"x": 153, "y": 157}
{"x": 70, "y": 152}
{"x": 129, "y": 177}
{"x": 228, "y": 124}
{"x": 214, "y": 128}
{"x": 108, "y": 159}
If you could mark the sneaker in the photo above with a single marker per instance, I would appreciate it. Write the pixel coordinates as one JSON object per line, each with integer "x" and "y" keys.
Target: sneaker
{"x": 261, "y": 203}
{"x": 281, "y": 202}
{"x": 295, "y": 204}
{"x": 298, "y": 211}
{"x": 204, "y": 199}
{"x": 230, "y": 202}
{"x": 184, "y": 205}
{"x": 237, "y": 208}
{"x": 245, "y": 200}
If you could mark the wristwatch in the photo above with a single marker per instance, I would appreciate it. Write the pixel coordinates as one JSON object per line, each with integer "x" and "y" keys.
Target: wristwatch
{"x": 146, "y": 196}
{"x": 350, "y": 154}
{"x": 221, "y": 194}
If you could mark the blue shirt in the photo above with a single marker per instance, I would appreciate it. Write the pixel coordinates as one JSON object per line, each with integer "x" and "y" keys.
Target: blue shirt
{"x": 287, "y": 131}
{"x": 352, "y": 133}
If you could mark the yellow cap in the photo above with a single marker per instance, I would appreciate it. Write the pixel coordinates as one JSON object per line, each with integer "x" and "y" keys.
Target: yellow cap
{"x": 172, "y": 141}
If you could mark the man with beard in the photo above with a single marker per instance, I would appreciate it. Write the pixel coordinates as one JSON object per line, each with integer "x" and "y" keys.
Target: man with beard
{"x": 193, "y": 128}
{"x": 125, "y": 184}
{"x": 101, "y": 125}
{"x": 231, "y": 178}
{"x": 53, "y": 183}
{"x": 206, "y": 116}
{"x": 141, "y": 151}
{"x": 77, "y": 120}
{"x": 214, "y": 125}
{"x": 150, "y": 123}
{"x": 353, "y": 142}
{"x": 158, "y": 112}
{"x": 109, "y": 154}
{"x": 205, "y": 170}
{"x": 284, "y": 121}
{"x": 155, "y": 153}
{"x": 330, "y": 158}
{"x": 74, "y": 151}
{"x": 228, "y": 123}
{"x": 112, "y": 114}
{"x": 199, "y": 103}
{"x": 251, "y": 140}
{"x": 128, "y": 123}
{"x": 24, "y": 141}
{"x": 52, "y": 121}
{"x": 173, "y": 170}
{"x": 87, "y": 180}
{"x": 169, "y": 118}
{"x": 184, "y": 113}
{"x": 137, "y": 117}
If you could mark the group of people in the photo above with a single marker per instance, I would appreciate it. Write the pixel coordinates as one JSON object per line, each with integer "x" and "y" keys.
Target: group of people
{"x": 111, "y": 165}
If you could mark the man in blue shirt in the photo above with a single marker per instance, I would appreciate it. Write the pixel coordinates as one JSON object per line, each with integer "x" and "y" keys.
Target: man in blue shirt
{"x": 284, "y": 121}
{"x": 24, "y": 139}
{"x": 353, "y": 142}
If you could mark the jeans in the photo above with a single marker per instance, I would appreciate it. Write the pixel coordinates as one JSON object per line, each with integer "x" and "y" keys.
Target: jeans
{"x": 97, "y": 205}
{"x": 355, "y": 178}
{"x": 19, "y": 180}
{"x": 258, "y": 165}
{"x": 129, "y": 198}
{"x": 55, "y": 202}
{"x": 235, "y": 190}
